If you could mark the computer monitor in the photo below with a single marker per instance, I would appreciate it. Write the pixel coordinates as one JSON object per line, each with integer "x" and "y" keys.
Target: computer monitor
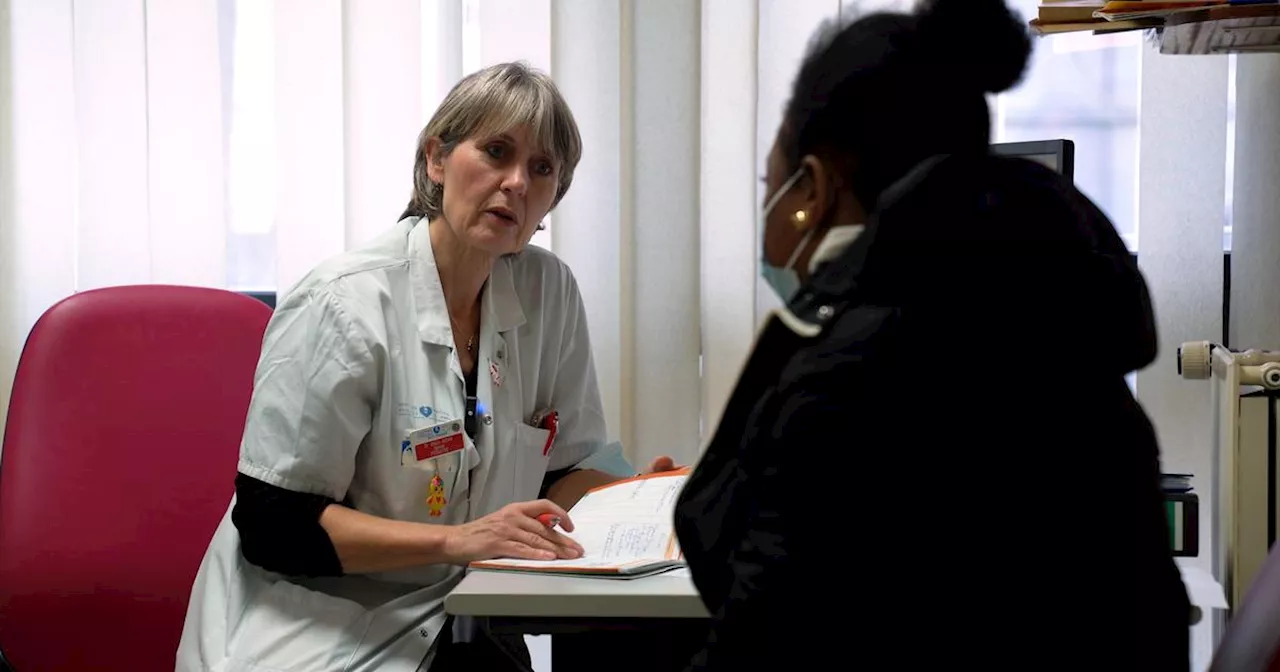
{"x": 1059, "y": 155}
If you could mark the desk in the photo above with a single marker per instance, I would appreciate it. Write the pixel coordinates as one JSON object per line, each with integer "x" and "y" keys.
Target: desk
{"x": 651, "y": 623}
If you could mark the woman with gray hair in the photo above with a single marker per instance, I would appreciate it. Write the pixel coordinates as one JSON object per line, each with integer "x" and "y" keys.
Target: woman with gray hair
{"x": 421, "y": 403}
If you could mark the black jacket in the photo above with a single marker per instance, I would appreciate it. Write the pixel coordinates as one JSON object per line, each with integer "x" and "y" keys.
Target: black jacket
{"x": 932, "y": 459}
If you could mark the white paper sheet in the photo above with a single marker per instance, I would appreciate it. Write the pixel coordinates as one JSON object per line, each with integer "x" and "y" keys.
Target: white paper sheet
{"x": 1202, "y": 589}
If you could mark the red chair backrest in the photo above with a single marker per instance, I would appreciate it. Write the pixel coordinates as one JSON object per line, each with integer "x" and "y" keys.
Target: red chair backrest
{"x": 119, "y": 460}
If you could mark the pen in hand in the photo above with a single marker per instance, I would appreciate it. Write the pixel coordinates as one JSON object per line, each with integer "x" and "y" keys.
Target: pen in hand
{"x": 551, "y": 520}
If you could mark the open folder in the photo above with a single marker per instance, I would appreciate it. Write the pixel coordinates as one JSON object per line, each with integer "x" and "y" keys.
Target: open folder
{"x": 625, "y": 529}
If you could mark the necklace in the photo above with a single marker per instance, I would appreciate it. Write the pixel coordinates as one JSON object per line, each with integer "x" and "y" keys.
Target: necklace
{"x": 471, "y": 340}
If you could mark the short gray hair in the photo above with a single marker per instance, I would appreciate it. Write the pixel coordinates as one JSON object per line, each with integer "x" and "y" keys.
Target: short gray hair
{"x": 494, "y": 100}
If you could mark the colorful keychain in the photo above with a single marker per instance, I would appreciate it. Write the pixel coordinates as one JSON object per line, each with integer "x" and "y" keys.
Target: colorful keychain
{"x": 424, "y": 449}
{"x": 435, "y": 496}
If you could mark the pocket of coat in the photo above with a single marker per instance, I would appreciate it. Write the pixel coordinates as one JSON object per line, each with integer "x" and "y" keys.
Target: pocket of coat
{"x": 462, "y": 463}
{"x": 289, "y": 627}
{"x": 531, "y": 464}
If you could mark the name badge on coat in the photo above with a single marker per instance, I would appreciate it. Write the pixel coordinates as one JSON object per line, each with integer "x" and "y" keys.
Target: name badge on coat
{"x": 424, "y": 449}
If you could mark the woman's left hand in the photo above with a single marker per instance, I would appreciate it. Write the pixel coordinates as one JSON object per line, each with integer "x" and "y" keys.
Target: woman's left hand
{"x": 660, "y": 464}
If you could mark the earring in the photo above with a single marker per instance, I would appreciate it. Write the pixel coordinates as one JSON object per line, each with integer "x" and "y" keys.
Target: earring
{"x": 799, "y": 217}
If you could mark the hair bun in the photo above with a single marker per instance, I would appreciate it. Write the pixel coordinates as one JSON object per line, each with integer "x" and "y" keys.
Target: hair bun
{"x": 982, "y": 41}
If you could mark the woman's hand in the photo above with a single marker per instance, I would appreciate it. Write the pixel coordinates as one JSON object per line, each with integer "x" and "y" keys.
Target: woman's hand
{"x": 512, "y": 532}
{"x": 660, "y": 464}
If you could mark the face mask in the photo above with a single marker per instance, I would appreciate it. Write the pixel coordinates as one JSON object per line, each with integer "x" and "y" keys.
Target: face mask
{"x": 785, "y": 281}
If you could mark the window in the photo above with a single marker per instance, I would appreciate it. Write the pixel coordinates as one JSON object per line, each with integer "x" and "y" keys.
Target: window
{"x": 251, "y": 240}
{"x": 1079, "y": 87}
{"x": 1084, "y": 88}
{"x": 488, "y": 35}
{"x": 494, "y": 32}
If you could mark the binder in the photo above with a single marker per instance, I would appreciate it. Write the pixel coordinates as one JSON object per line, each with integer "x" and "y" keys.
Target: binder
{"x": 1183, "y": 511}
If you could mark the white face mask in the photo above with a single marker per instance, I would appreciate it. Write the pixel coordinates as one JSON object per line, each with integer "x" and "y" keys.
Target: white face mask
{"x": 785, "y": 280}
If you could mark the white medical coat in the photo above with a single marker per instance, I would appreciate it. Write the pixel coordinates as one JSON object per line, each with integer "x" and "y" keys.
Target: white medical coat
{"x": 358, "y": 354}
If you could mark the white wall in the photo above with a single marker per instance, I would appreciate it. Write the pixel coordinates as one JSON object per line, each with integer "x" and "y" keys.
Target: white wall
{"x": 1255, "y": 257}
{"x": 1182, "y": 192}
{"x": 729, "y": 242}
{"x": 9, "y": 338}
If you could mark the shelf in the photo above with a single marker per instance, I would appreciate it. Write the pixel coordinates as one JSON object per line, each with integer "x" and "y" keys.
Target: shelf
{"x": 1216, "y": 30}
{"x": 1228, "y": 30}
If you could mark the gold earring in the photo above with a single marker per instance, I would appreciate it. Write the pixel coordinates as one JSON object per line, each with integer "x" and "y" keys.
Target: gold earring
{"x": 799, "y": 217}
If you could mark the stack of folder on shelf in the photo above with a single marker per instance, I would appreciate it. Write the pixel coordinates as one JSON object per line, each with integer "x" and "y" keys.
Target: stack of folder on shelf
{"x": 1182, "y": 507}
{"x": 1074, "y": 16}
{"x": 1101, "y": 16}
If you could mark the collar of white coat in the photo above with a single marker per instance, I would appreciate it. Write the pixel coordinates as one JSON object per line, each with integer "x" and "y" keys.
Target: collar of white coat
{"x": 498, "y": 299}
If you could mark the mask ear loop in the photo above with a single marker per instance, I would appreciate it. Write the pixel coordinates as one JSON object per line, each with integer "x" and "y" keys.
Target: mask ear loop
{"x": 804, "y": 242}
{"x": 773, "y": 201}
{"x": 799, "y": 219}
{"x": 786, "y": 186}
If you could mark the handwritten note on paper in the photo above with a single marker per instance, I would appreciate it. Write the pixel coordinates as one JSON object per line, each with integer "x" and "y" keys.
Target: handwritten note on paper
{"x": 624, "y": 541}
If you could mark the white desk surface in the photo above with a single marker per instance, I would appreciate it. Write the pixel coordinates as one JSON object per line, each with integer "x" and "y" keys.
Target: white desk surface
{"x": 497, "y": 593}
{"x": 667, "y": 595}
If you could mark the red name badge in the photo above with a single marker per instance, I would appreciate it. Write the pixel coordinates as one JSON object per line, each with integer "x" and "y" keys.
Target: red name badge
{"x": 433, "y": 442}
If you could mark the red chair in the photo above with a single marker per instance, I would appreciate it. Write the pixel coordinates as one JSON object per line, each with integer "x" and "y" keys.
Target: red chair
{"x": 119, "y": 461}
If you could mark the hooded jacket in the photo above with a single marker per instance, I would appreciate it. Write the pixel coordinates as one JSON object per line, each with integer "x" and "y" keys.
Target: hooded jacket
{"x": 932, "y": 457}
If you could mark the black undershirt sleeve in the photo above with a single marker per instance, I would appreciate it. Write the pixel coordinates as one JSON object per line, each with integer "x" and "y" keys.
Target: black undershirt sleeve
{"x": 280, "y": 529}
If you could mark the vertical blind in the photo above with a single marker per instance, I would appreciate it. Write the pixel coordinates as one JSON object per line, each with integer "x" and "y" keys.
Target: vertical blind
{"x": 237, "y": 143}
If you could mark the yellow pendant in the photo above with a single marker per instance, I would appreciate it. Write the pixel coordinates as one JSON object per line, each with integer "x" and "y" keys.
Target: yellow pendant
{"x": 435, "y": 497}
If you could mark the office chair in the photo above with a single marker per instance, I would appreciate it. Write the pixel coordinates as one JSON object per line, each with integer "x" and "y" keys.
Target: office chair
{"x": 1251, "y": 642}
{"x": 118, "y": 462}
